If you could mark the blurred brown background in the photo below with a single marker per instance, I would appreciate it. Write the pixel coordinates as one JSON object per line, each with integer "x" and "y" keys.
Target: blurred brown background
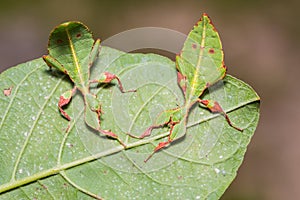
{"x": 261, "y": 42}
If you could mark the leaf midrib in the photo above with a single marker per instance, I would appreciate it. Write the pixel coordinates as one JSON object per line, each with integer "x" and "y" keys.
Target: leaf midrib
{"x": 196, "y": 74}
{"x": 55, "y": 170}
{"x": 76, "y": 63}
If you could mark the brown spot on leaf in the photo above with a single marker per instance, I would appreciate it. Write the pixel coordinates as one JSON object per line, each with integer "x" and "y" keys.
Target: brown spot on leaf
{"x": 7, "y": 92}
{"x": 194, "y": 46}
{"x": 78, "y": 35}
{"x": 211, "y": 51}
{"x": 59, "y": 41}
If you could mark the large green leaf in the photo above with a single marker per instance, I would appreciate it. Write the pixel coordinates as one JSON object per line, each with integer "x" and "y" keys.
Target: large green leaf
{"x": 41, "y": 159}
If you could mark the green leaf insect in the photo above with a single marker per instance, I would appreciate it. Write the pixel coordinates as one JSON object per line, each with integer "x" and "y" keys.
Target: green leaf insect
{"x": 200, "y": 65}
{"x": 72, "y": 50}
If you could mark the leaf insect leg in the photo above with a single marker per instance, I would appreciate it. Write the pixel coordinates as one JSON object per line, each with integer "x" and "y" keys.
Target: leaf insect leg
{"x": 107, "y": 77}
{"x": 161, "y": 145}
{"x": 64, "y": 99}
{"x": 93, "y": 116}
{"x": 112, "y": 135}
{"x": 215, "y": 107}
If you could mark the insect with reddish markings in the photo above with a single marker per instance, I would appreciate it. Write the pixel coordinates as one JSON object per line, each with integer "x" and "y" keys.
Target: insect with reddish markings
{"x": 200, "y": 64}
{"x": 72, "y": 50}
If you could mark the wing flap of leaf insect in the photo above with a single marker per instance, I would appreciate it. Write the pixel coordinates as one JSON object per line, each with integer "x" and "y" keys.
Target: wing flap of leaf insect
{"x": 201, "y": 60}
{"x": 71, "y": 43}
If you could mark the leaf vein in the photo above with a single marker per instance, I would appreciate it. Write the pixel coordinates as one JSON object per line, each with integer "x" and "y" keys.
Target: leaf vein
{"x": 39, "y": 113}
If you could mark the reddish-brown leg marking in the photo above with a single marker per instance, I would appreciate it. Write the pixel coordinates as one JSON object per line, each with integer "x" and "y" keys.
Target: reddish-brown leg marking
{"x": 64, "y": 99}
{"x": 215, "y": 107}
{"x": 161, "y": 145}
{"x": 108, "y": 78}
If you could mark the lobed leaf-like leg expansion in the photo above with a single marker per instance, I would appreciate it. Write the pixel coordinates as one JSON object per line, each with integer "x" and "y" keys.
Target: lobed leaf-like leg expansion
{"x": 181, "y": 80}
{"x": 215, "y": 107}
{"x": 64, "y": 99}
{"x": 107, "y": 77}
{"x": 163, "y": 119}
{"x": 93, "y": 116}
{"x": 148, "y": 131}
{"x": 171, "y": 137}
{"x": 109, "y": 133}
{"x": 174, "y": 120}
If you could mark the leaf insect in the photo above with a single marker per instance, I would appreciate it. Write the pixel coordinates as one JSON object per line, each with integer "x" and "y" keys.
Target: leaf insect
{"x": 199, "y": 65}
{"x": 72, "y": 50}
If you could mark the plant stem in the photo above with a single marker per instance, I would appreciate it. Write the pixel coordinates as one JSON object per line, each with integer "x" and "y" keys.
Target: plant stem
{"x": 14, "y": 184}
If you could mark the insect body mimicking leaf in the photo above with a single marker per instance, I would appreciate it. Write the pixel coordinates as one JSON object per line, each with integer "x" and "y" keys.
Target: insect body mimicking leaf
{"x": 200, "y": 64}
{"x": 201, "y": 61}
{"x": 70, "y": 44}
{"x": 72, "y": 50}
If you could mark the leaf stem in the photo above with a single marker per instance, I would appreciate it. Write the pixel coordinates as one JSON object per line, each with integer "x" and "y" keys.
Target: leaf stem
{"x": 18, "y": 183}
